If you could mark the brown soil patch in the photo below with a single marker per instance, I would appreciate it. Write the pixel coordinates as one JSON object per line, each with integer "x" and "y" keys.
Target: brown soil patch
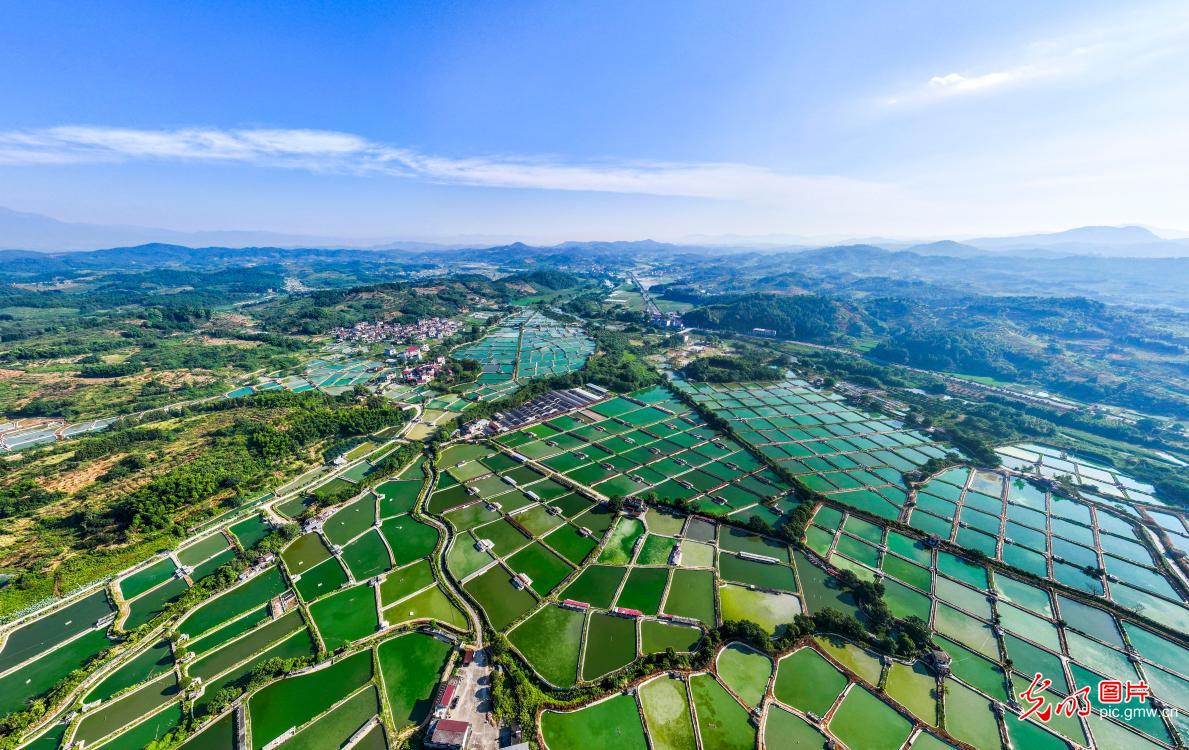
{"x": 73, "y": 481}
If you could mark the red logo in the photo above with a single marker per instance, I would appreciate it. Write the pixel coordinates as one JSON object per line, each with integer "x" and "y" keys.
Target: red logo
{"x": 1110, "y": 692}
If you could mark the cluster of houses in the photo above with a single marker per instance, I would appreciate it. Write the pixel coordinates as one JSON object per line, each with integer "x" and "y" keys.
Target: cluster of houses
{"x": 666, "y": 320}
{"x": 415, "y": 370}
{"x": 375, "y": 332}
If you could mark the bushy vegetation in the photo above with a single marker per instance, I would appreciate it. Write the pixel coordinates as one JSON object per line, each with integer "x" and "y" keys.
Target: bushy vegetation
{"x": 807, "y": 317}
{"x": 719, "y": 368}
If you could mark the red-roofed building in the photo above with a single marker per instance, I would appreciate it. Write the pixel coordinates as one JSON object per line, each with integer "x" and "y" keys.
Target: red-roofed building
{"x": 447, "y": 695}
{"x": 575, "y": 604}
{"x": 625, "y": 612}
{"x": 449, "y": 734}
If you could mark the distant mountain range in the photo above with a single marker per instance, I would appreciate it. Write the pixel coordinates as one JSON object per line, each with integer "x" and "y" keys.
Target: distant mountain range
{"x": 29, "y": 231}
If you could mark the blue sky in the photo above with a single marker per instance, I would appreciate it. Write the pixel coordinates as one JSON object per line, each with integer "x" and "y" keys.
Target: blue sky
{"x": 550, "y": 121}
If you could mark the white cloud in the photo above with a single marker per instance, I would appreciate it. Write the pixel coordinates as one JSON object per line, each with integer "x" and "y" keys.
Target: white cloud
{"x": 335, "y": 152}
{"x": 956, "y": 83}
{"x": 1134, "y": 38}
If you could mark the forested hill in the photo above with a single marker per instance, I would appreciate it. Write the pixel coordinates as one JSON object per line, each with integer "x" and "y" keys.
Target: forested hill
{"x": 807, "y": 317}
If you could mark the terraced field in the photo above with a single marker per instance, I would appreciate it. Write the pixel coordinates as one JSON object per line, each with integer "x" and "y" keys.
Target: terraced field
{"x": 526, "y": 345}
{"x": 532, "y": 533}
{"x": 219, "y": 642}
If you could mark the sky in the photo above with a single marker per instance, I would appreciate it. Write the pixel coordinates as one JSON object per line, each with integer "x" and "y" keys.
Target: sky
{"x": 547, "y": 121}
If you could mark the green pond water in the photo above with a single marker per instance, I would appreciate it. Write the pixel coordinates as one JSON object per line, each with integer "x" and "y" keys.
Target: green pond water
{"x": 722, "y": 722}
{"x": 915, "y": 688}
{"x": 336, "y": 727}
{"x": 963, "y": 597}
{"x": 304, "y": 553}
{"x": 773, "y": 612}
{"x": 962, "y": 570}
{"x": 613, "y": 723}
{"x": 819, "y": 540}
{"x": 400, "y": 583}
{"x": 966, "y": 630}
{"x": 410, "y": 539}
{"x": 857, "y": 660}
{"x": 321, "y": 579}
{"x": 373, "y": 740}
{"x": 691, "y": 594}
{"x": 149, "y": 663}
{"x": 146, "y": 578}
{"x": 1161, "y": 610}
{"x": 397, "y": 497}
{"x": 696, "y": 554}
{"x": 293, "y": 646}
{"x": 910, "y": 548}
{"x": 745, "y": 671}
{"x": 431, "y": 603}
{"x": 501, "y": 602}
{"x": 1028, "y": 659}
{"x": 570, "y": 544}
{"x": 1090, "y": 620}
{"x": 926, "y": 741}
{"x": 44, "y": 632}
{"x": 857, "y": 550}
{"x": 666, "y": 712}
{"x": 538, "y": 521}
{"x": 610, "y": 644}
{"x": 864, "y": 721}
{"x": 618, "y": 549}
{"x": 657, "y": 636}
{"x": 17, "y": 688}
{"x": 596, "y": 585}
{"x": 969, "y": 717}
{"x": 1151, "y": 725}
{"x": 410, "y": 666}
{"x": 905, "y": 602}
{"x": 218, "y": 736}
{"x": 463, "y": 559}
{"x": 786, "y": 731}
{"x": 1023, "y": 594}
{"x": 1026, "y": 734}
{"x": 656, "y": 550}
{"x": 145, "y": 732}
{"x": 738, "y": 540}
{"x": 120, "y": 713}
{"x": 202, "y": 549}
{"x": 252, "y": 531}
{"x": 295, "y": 700}
{"x": 828, "y": 517}
{"x": 975, "y": 670}
{"x": 820, "y": 590}
{"x": 764, "y": 575}
{"x": 1108, "y": 734}
{"x": 1029, "y": 626}
{"x": 346, "y": 616}
{"x": 1094, "y": 655}
{"x": 551, "y": 640}
{"x": 367, "y": 556}
{"x": 254, "y": 593}
{"x": 52, "y": 739}
{"x": 908, "y": 572}
{"x": 546, "y": 569}
{"x": 212, "y": 664}
{"x": 806, "y": 681}
{"x": 1157, "y": 648}
{"x": 661, "y": 522}
{"x": 644, "y": 589}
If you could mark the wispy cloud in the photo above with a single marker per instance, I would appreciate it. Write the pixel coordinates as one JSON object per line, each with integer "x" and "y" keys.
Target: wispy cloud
{"x": 345, "y": 153}
{"x": 1113, "y": 44}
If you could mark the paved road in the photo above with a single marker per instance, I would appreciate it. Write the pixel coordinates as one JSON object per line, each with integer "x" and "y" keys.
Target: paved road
{"x": 474, "y": 703}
